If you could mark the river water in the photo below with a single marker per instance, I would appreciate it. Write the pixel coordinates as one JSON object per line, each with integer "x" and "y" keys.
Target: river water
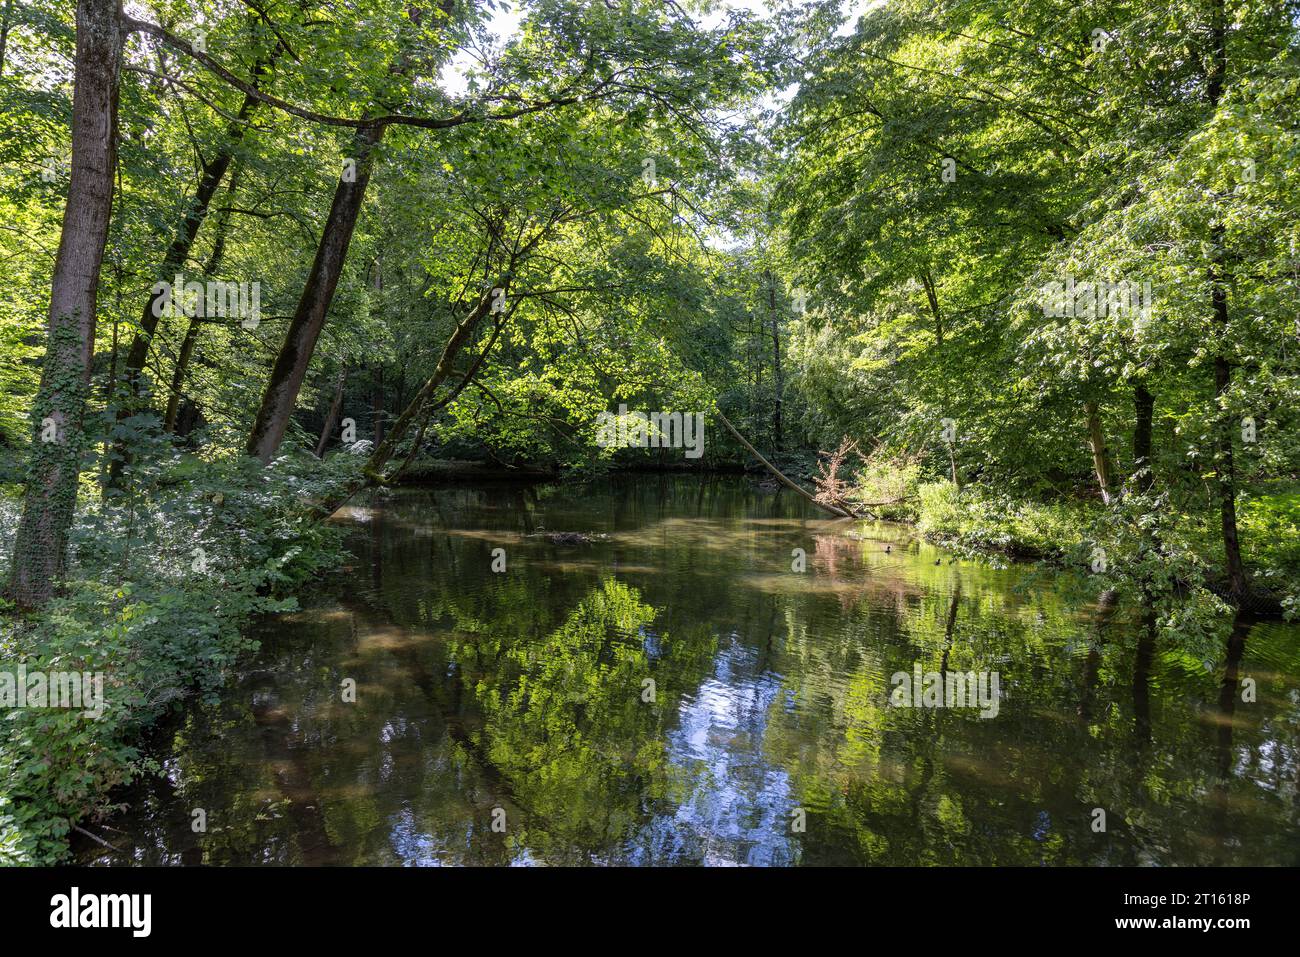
{"x": 674, "y": 690}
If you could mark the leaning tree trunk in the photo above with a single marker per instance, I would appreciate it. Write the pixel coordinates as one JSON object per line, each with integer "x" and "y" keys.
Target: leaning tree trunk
{"x": 174, "y": 262}
{"x": 51, "y": 494}
{"x": 777, "y": 473}
{"x": 295, "y": 353}
{"x": 422, "y": 404}
{"x": 195, "y": 326}
{"x": 927, "y": 281}
{"x": 1100, "y": 454}
{"x": 186, "y": 232}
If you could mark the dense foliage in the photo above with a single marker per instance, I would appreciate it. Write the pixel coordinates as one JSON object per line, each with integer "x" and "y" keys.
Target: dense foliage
{"x": 1031, "y": 268}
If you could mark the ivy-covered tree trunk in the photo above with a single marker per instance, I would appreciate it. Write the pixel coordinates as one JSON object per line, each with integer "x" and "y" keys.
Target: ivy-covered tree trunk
{"x": 290, "y": 368}
{"x": 51, "y": 493}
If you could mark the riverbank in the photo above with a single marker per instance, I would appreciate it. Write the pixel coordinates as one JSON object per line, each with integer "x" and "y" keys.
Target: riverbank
{"x": 468, "y": 471}
{"x": 1065, "y": 533}
{"x": 1118, "y": 544}
{"x": 159, "y": 588}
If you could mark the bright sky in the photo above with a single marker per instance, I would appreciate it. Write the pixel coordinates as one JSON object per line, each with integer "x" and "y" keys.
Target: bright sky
{"x": 505, "y": 22}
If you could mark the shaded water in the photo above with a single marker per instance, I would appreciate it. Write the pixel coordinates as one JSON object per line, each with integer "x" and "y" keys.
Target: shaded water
{"x": 520, "y": 698}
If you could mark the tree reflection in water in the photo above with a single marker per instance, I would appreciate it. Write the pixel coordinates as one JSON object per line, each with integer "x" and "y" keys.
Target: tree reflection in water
{"x": 526, "y": 692}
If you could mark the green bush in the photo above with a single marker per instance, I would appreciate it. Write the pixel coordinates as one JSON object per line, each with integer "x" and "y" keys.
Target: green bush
{"x": 975, "y": 519}
{"x": 940, "y": 508}
{"x": 162, "y": 577}
{"x": 882, "y": 480}
{"x": 1270, "y": 530}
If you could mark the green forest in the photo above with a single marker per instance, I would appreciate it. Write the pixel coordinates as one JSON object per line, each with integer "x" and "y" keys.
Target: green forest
{"x": 1021, "y": 280}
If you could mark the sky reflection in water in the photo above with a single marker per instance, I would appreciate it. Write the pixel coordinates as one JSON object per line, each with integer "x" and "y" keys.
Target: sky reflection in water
{"x": 523, "y": 691}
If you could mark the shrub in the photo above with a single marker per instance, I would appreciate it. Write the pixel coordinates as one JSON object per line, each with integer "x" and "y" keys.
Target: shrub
{"x": 162, "y": 577}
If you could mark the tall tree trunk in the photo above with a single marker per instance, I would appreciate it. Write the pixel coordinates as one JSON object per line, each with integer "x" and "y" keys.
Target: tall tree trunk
{"x": 195, "y": 326}
{"x": 377, "y": 368}
{"x": 174, "y": 262}
{"x": 110, "y": 387}
{"x": 927, "y": 281}
{"x": 177, "y": 386}
{"x": 51, "y": 494}
{"x": 1100, "y": 454}
{"x": 4, "y": 34}
{"x": 332, "y": 416}
{"x": 377, "y": 403}
{"x": 179, "y": 250}
{"x": 1224, "y": 468}
{"x": 756, "y": 345}
{"x": 295, "y": 353}
{"x": 1144, "y": 405}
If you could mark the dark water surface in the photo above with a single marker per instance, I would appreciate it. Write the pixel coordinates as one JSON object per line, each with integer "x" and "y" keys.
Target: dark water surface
{"x": 520, "y": 698}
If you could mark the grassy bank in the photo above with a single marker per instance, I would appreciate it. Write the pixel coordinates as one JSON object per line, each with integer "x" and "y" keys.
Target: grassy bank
{"x": 1143, "y": 546}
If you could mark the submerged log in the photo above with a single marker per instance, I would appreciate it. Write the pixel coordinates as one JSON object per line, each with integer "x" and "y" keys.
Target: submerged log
{"x": 568, "y": 538}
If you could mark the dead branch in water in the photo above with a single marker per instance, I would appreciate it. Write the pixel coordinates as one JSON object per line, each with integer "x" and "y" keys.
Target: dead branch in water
{"x": 98, "y": 840}
{"x": 831, "y": 489}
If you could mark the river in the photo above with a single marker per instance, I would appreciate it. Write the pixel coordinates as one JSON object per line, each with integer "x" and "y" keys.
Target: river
{"x": 676, "y": 690}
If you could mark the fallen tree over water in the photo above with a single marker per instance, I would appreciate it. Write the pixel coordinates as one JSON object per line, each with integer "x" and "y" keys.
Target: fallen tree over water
{"x": 840, "y": 509}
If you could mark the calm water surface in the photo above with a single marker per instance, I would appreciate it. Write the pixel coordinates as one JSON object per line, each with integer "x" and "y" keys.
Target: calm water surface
{"x": 519, "y": 698}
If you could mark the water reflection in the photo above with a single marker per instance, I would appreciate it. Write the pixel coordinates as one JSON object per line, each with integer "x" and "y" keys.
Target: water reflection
{"x": 672, "y": 692}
